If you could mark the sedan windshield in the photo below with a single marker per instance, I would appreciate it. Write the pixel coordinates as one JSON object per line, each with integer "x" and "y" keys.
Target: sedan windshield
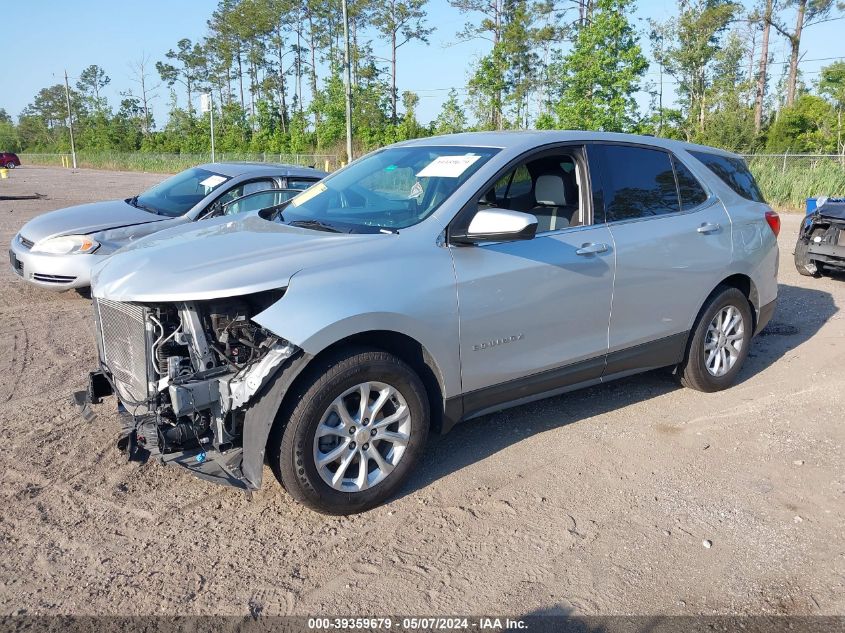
{"x": 178, "y": 194}
{"x": 391, "y": 189}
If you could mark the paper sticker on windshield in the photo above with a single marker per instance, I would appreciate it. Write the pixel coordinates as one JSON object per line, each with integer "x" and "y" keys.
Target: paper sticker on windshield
{"x": 416, "y": 190}
{"x": 212, "y": 181}
{"x": 448, "y": 166}
{"x": 309, "y": 193}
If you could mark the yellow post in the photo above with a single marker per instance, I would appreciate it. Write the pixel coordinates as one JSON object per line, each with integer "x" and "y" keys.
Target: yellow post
{"x": 327, "y": 165}
{"x": 4, "y": 173}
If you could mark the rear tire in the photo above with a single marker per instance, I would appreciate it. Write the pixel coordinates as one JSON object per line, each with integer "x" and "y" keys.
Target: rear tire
{"x": 803, "y": 264}
{"x": 10, "y": 165}
{"x": 338, "y": 457}
{"x": 718, "y": 345}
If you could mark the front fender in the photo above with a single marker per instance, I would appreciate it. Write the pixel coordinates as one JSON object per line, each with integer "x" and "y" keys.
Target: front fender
{"x": 261, "y": 414}
{"x": 413, "y": 294}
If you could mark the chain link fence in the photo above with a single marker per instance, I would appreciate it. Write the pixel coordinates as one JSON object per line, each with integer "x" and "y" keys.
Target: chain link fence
{"x": 787, "y": 180}
{"x": 171, "y": 163}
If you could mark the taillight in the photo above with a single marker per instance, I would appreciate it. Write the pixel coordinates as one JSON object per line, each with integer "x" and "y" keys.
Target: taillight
{"x": 773, "y": 220}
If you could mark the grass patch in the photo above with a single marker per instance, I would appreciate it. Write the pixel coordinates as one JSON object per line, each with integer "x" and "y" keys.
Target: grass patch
{"x": 788, "y": 182}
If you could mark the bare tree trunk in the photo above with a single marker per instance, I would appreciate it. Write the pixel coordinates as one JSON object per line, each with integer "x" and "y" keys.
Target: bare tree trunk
{"x": 497, "y": 100}
{"x": 393, "y": 78}
{"x": 241, "y": 79}
{"x": 299, "y": 62}
{"x": 313, "y": 46}
{"x": 762, "y": 73}
{"x": 795, "y": 44}
{"x": 283, "y": 108}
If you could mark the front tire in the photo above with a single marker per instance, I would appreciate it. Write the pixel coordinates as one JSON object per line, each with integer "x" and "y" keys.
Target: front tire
{"x": 718, "y": 345}
{"x": 354, "y": 433}
{"x": 803, "y": 264}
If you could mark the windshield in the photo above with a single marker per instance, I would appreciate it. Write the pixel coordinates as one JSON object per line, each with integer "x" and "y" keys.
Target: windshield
{"x": 391, "y": 189}
{"x": 178, "y": 194}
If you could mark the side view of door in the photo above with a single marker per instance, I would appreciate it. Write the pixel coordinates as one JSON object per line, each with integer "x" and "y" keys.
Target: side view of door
{"x": 673, "y": 247}
{"x": 534, "y": 314}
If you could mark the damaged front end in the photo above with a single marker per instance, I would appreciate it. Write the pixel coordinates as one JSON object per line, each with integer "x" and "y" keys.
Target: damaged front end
{"x": 185, "y": 374}
{"x": 823, "y": 232}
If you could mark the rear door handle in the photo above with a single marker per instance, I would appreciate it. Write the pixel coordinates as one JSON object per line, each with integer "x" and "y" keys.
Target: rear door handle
{"x": 592, "y": 248}
{"x": 709, "y": 228}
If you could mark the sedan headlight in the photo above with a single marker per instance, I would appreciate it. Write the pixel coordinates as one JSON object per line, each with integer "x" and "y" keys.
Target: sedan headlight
{"x": 66, "y": 244}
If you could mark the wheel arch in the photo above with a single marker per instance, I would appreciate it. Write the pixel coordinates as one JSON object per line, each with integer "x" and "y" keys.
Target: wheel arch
{"x": 267, "y": 415}
{"x": 741, "y": 282}
{"x": 408, "y": 350}
{"x": 746, "y": 286}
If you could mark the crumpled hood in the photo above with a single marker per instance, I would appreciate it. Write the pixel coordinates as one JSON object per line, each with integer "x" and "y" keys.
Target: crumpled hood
{"x": 222, "y": 257}
{"x": 834, "y": 210}
{"x": 86, "y": 218}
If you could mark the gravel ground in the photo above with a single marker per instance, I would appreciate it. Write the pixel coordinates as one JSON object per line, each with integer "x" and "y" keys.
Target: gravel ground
{"x": 597, "y": 502}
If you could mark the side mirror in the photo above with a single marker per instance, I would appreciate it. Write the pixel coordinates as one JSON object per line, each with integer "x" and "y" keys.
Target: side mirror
{"x": 497, "y": 225}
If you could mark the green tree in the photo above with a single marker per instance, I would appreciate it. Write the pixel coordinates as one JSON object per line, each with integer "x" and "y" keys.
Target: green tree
{"x": 452, "y": 118}
{"x": 807, "y": 13}
{"x": 691, "y": 57}
{"x": 189, "y": 60}
{"x": 400, "y": 21}
{"x": 91, "y": 82}
{"x": 832, "y": 86}
{"x": 806, "y": 126}
{"x": 601, "y": 74}
{"x": 730, "y": 122}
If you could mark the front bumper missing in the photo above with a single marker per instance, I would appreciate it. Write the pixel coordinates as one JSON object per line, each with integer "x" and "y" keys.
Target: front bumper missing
{"x": 831, "y": 254}
{"x": 206, "y": 462}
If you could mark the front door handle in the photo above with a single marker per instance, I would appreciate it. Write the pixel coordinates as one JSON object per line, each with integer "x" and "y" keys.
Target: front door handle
{"x": 592, "y": 248}
{"x": 709, "y": 228}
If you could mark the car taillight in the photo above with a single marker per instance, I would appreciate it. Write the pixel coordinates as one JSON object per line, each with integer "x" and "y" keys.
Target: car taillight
{"x": 773, "y": 220}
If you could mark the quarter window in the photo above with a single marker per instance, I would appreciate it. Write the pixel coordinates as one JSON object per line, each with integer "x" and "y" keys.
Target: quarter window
{"x": 301, "y": 183}
{"x": 638, "y": 182}
{"x": 733, "y": 172}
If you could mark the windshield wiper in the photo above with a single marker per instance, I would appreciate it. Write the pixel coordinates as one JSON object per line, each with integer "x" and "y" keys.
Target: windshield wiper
{"x": 134, "y": 202}
{"x": 316, "y": 225}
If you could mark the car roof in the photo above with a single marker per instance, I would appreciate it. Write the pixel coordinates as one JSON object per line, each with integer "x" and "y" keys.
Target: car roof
{"x": 235, "y": 169}
{"x": 524, "y": 140}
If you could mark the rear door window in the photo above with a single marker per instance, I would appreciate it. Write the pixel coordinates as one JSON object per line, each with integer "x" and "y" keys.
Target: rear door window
{"x": 690, "y": 190}
{"x": 246, "y": 188}
{"x": 638, "y": 182}
{"x": 733, "y": 172}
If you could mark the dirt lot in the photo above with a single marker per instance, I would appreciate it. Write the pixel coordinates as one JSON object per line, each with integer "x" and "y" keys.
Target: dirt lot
{"x": 596, "y": 502}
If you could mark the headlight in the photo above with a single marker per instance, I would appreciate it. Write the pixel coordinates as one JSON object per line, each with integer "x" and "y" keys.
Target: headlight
{"x": 66, "y": 244}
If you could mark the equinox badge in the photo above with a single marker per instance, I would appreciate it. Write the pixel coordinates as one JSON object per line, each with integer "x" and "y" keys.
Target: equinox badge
{"x": 498, "y": 341}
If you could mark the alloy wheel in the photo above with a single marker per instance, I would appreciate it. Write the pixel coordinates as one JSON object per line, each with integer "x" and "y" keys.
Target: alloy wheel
{"x": 724, "y": 340}
{"x": 362, "y": 436}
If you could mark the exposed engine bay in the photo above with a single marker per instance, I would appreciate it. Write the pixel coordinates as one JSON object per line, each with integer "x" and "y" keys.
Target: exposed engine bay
{"x": 184, "y": 371}
{"x": 823, "y": 236}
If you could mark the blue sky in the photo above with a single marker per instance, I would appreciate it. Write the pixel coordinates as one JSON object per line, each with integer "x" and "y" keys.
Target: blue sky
{"x": 49, "y": 36}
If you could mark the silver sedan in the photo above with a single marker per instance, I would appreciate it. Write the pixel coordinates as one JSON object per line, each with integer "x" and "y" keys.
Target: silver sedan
{"x": 57, "y": 250}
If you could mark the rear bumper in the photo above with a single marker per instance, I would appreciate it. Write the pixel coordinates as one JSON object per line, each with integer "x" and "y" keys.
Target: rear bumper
{"x": 764, "y": 315}
{"x": 53, "y": 272}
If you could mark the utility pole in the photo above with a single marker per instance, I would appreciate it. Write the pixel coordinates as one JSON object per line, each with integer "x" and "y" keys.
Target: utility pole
{"x": 347, "y": 80}
{"x": 70, "y": 121}
{"x": 207, "y": 105}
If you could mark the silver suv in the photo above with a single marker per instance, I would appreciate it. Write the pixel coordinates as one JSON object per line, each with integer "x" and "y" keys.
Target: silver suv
{"x": 429, "y": 282}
